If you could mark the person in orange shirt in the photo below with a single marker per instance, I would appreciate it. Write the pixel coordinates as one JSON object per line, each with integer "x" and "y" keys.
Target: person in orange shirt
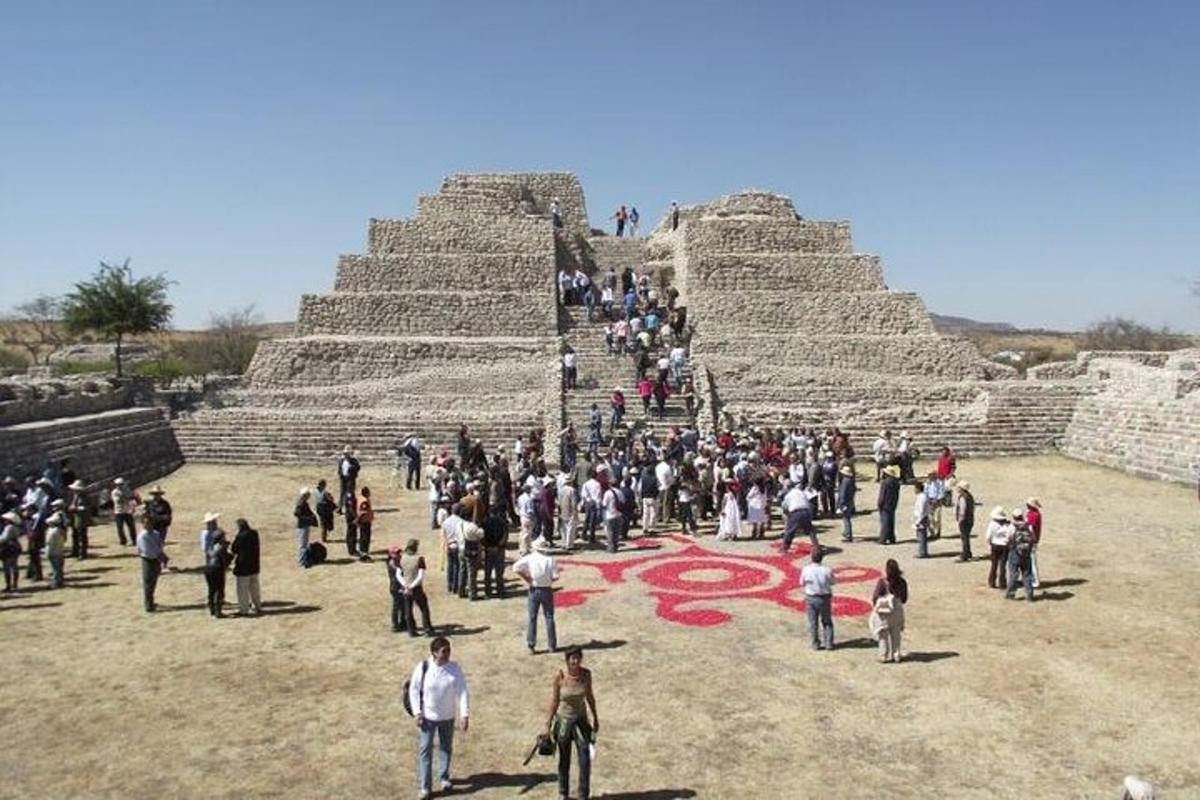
{"x": 366, "y": 515}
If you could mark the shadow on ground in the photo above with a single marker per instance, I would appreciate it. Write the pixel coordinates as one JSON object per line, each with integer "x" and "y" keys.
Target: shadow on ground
{"x": 496, "y": 780}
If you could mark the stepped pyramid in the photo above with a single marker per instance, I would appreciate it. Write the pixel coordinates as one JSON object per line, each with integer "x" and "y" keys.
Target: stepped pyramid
{"x": 452, "y": 317}
{"x": 449, "y": 317}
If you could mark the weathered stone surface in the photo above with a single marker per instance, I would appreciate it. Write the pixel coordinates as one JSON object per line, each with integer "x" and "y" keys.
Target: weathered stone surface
{"x": 448, "y": 313}
{"x": 1146, "y": 420}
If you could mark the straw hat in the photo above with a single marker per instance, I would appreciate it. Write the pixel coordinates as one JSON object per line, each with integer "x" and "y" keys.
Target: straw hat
{"x": 211, "y": 516}
{"x": 57, "y": 503}
{"x": 1033, "y": 502}
{"x": 158, "y": 490}
{"x": 77, "y": 486}
{"x": 999, "y": 514}
{"x": 119, "y": 481}
{"x": 1018, "y": 513}
{"x": 962, "y": 486}
{"x": 541, "y": 545}
{"x": 1138, "y": 789}
{"x": 892, "y": 470}
{"x": 847, "y": 470}
{"x": 44, "y": 481}
{"x": 12, "y": 517}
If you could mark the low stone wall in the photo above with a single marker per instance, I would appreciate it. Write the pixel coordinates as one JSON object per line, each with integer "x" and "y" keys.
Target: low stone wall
{"x": 136, "y": 443}
{"x": 457, "y": 313}
{"x": 1145, "y": 421}
{"x": 26, "y": 400}
{"x": 501, "y": 272}
{"x": 731, "y": 315}
{"x": 735, "y": 272}
{"x": 332, "y": 360}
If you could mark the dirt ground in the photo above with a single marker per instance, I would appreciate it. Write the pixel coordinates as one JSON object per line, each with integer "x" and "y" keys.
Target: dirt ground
{"x": 1056, "y": 699}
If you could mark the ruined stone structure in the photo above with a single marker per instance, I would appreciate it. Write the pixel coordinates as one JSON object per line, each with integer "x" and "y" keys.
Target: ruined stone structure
{"x": 1146, "y": 418}
{"x": 91, "y": 421}
{"x": 452, "y": 316}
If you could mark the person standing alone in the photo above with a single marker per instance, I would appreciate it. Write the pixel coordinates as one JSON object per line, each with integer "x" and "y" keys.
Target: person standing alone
{"x": 539, "y": 571}
{"x": 817, "y": 580}
{"x": 437, "y": 692}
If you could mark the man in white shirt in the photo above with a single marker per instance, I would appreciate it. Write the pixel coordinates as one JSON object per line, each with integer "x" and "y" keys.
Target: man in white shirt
{"x": 613, "y": 517}
{"x": 451, "y": 534}
{"x": 570, "y": 369}
{"x": 666, "y": 490}
{"x": 817, "y": 580}
{"x": 921, "y": 519}
{"x": 539, "y": 571}
{"x": 798, "y": 511}
{"x": 590, "y": 495}
{"x": 678, "y": 358}
{"x": 436, "y": 691}
{"x": 525, "y": 511}
{"x": 882, "y": 450}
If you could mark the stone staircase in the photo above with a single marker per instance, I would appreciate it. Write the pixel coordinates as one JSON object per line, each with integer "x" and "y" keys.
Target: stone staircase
{"x": 600, "y": 371}
{"x": 233, "y": 436}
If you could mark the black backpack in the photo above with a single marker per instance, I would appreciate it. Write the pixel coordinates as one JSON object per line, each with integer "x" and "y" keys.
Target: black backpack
{"x": 420, "y": 691}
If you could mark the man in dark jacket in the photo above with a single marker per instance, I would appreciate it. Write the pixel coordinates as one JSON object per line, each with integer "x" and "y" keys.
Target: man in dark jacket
{"x": 347, "y": 468}
{"x": 889, "y": 498}
{"x": 495, "y": 539}
{"x": 246, "y": 568}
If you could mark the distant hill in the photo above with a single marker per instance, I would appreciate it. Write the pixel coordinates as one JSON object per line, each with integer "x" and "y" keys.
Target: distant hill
{"x": 945, "y": 323}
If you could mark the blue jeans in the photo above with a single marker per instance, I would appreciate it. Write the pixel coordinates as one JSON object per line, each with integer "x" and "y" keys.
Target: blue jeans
{"x": 445, "y": 734}
{"x": 56, "y": 570}
{"x": 847, "y": 524}
{"x": 617, "y": 414}
{"x": 818, "y": 607}
{"x": 541, "y": 596}
{"x": 302, "y": 546}
{"x": 887, "y": 526}
{"x": 452, "y": 571}
{"x": 1019, "y": 566}
{"x": 433, "y": 509}
{"x": 922, "y": 529}
{"x": 613, "y": 528}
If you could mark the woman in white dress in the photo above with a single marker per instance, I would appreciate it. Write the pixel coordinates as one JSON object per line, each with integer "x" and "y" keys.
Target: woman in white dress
{"x": 756, "y": 510}
{"x": 731, "y": 515}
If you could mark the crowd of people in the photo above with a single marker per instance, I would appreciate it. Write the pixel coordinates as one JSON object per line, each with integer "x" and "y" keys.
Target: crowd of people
{"x": 741, "y": 482}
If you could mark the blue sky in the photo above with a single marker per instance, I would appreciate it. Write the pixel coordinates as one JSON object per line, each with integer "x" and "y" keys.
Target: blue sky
{"x": 1031, "y": 162}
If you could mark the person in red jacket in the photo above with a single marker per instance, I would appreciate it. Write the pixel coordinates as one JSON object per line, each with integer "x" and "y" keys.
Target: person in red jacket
{"x": 645, "y": 391}
{"x": 1033, "y": 519}
{"x": 618, "y": 408}
{"x": 945, "y": 464}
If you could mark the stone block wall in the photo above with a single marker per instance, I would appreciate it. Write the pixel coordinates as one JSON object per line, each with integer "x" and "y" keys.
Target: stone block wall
{"x": 799, "y": 272}
{"x": 929, "y": 357}
{"x": 473, "y": 234}
{"x": 136, "y": 443}
{"x": 335, "y": 360}
{"x": 730, "y": 315}
{"x": 499, "y": 272}
{"x": 768, "y": 235}
{"x": 25, "y": 400}
{"x": 429, "y": 313}
{"x": 1145, "y": 420}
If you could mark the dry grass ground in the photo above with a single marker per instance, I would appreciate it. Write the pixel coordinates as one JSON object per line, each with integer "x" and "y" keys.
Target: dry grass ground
{"x": 1058, "y": 699}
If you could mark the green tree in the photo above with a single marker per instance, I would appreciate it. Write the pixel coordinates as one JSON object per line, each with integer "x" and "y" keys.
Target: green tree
{"x": 115, "y": 305}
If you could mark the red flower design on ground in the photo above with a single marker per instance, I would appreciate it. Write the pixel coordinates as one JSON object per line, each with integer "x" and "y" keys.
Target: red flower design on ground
{"x": 697, "y": 576}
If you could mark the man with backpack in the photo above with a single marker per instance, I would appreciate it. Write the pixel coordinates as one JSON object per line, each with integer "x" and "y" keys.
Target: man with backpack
{"x": 434, "y": 694}
{"x": 1020, "y": 550}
